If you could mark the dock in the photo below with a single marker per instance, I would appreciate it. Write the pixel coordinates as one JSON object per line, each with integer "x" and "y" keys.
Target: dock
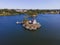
{"x": 19, "y": 22}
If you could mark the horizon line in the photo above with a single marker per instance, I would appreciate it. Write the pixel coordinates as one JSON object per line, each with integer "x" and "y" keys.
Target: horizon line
{"x": 30, "y": 8}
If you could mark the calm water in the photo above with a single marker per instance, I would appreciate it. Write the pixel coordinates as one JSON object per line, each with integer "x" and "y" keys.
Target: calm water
{"x": 13, "y": 34}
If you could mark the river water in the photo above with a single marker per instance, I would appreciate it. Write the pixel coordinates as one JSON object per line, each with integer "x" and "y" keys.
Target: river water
{"x": 14, "y": 34}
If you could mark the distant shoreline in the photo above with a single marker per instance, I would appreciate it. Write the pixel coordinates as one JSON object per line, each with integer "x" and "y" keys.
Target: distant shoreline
{"x": 10, "y": 12}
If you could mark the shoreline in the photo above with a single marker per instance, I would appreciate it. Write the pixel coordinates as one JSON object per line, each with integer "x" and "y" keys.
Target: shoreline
{"x": 15, "y": 15}
{"x": 30, "y": 12}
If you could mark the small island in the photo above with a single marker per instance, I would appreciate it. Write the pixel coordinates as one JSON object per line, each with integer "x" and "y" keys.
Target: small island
{"x": 30, "y": 24}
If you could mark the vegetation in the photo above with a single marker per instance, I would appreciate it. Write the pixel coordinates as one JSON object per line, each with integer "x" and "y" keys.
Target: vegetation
{"x": 30, "y": 12}
{"x": 7, "y": 12}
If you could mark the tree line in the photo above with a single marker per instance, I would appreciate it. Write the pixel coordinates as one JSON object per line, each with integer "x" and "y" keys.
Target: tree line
{"x": 28, "y": 11}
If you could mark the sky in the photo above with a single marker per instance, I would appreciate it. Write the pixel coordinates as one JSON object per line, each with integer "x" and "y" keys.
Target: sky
{"x": 30, "y": 4}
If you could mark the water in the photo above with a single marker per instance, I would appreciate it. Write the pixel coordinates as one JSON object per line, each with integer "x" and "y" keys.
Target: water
{"x": 13, "y": 34}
